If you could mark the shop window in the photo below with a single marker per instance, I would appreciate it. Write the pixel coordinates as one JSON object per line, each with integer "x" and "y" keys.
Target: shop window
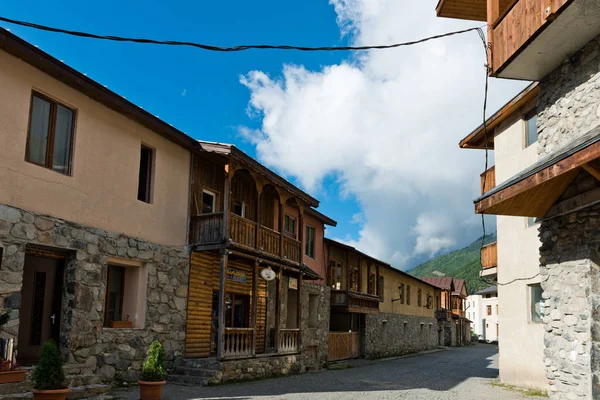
{"x": 125, "y": 305}
{"x": 313, "y": 310}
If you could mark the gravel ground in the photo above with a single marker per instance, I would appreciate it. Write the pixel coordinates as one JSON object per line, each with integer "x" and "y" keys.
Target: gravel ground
{"x": 457, "y": 373}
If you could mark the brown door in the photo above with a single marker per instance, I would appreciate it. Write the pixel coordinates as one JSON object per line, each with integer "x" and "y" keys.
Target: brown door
{"x": 40, "y": 305}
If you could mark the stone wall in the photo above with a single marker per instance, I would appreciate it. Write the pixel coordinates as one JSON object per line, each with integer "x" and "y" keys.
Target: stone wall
{"x": 315, "y": 339}
{"x": 570, "y": 275}
{"x": 257, "y": 368}
{"x": 116, "y": 353}
{"x": 569, "y": 99}
{"x": 388, "y": 334}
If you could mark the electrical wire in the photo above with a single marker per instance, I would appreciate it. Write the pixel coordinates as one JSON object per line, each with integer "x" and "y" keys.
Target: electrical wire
{"x": 485, "y": 138}
{"x": 227, "y": 49}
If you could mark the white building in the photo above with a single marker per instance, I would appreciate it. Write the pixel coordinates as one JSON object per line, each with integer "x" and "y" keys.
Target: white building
{"x": 513, "y": 260}
{"x": 482, "y": 310}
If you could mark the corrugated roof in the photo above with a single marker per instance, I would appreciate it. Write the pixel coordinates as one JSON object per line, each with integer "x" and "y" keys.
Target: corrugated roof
{"x": 442, "y": 282}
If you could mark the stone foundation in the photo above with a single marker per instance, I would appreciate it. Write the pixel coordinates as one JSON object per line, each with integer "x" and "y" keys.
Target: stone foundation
{"x": 115, "y": 353}
{"x": 258, "y": 368}
{"x": 399, "y": 334}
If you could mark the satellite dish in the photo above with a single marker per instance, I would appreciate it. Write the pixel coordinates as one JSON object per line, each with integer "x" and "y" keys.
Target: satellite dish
{"x": 267, "y": 274}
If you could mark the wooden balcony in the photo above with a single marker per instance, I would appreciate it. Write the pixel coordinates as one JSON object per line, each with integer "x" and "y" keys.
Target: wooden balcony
{"x": 350, "y": 301}
{"x": 530, "y": 38}
{"x": 489, "y": 256}
{"x": 488, "y": 179}
{"x": 237, "y": 343}
{"x": 207, "y": 229}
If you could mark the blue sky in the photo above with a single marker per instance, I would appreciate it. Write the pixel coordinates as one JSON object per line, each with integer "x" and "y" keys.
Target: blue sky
{"x": 200, "y": 93}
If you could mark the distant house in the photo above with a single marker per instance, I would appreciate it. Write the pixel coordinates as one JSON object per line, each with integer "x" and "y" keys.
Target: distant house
{"x": 451, "y": 306}
{"x": 482, "y": 310}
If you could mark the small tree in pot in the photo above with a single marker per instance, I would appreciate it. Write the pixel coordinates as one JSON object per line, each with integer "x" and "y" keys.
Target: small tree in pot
{"x": 48, "y": 376}
{"x": 153, "y": 374}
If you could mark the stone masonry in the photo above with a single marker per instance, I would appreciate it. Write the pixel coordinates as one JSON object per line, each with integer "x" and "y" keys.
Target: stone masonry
{"x": 569, "y": 100}
{"x": 570, "y": 280}
{"x": 388, "y": 334}
{"x": 114, "y": 353}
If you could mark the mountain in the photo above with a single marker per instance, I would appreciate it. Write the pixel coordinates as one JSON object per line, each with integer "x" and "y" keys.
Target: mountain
{"x": 463, "y": 264}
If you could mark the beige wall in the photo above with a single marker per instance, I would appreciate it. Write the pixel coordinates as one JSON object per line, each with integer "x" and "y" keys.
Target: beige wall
{"x": 317, "y": 263}
{"x": 391, "y": 281}
{"x": 521, "y": 343}
{"x": 102, "y": 191}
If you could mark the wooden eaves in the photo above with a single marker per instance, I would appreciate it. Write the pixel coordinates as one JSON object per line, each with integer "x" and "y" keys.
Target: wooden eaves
{"x": 472, "y": 10}
{"x": 476, "y": 139}
{"x": 535, "y": 190}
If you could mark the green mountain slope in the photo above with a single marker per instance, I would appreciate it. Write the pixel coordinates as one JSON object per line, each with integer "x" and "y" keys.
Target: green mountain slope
{"x": 462, "y": 264}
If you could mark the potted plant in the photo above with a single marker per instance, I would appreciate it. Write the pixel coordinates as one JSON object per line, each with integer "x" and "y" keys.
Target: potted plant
{"x": 48, "y": 376}
{"x": 152, "y": 378}
{"x": 8, "y": 366}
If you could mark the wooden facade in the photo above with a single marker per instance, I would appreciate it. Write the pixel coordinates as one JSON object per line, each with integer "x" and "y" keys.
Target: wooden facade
{"x": 238, "y": 228}
{"x": 489, "y": 255}
{"x": 488, "y": 179}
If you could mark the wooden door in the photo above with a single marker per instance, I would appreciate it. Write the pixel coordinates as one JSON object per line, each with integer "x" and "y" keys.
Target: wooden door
{"x": 41, "y": 299}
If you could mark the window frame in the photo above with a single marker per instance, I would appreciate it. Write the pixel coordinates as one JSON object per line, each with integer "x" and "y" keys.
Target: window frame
{"x": 408, "y": 295}
{"x": 242, "y": 204}
{"x": 214, "y": 202}
{"x": 488, "y": 310}
{"x": 419, "y": 297}
{"x": 149, "y": 195}
{"x": 530, "y": 303}
{"x": 308, "y": 242}
{"x": 51, "y": 132}
{"x": 107, "y": 296}
{"x": 288, "y": 217}
{"x": 526, "y": 117}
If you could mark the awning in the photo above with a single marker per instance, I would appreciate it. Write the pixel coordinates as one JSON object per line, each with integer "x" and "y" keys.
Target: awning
{"x": 536, "y": 189}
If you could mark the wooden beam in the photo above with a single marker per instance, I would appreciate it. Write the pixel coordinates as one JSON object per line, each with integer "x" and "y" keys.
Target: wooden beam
{"x": 592, "y": 169}
{"x": 257, "y": 227}
{"x": 299, "y": 313}
{"x": 226, "y": 205}
{"x": 278, "y": 310}
{"x": 254, "y": 304}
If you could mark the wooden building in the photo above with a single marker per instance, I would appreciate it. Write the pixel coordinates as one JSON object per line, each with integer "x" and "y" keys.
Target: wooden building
{"x": 373, "y": 304}
{"x": 248, "y": 226}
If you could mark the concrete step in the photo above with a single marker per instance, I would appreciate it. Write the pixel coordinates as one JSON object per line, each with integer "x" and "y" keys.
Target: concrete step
{"x": 88, "y": 391}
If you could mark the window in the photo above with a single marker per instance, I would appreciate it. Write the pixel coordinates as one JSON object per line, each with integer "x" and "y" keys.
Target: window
{"x": 237, "y": 310}
{"x": 208, "y": 202}
{"x": 114, "y": 295}
{"x": 335, "y": 272}
{"x": 401, "y": 292}
{"x": 496, "y": 309}
{"x": 125, "y": 286}
{"x": 354, "y": 279}
{"x": 419, "y": 300}
{"x": 239, "y": 208}
{"x": 531, "y": 133}
{"x": 489, "y": 310}
{"x": 488, "y": 296}
{"x": 429, "y": 300}
{"x": 50, "y": 137}
{"x": 408, "y": 295}
{"x": 531, "y": 221}
{"x": 313, "y": 310}
{"x": 310, "y": 241}
{"x": 289, "y": 226}
{"x": 371, "y": 288}
{"x": 380, "y": 288}
{"x": 535, "y": 297}
{"x": 145, "y": 179}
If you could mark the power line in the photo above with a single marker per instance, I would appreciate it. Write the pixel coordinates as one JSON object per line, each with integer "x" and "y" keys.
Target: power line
{"x": 228, "y": 49}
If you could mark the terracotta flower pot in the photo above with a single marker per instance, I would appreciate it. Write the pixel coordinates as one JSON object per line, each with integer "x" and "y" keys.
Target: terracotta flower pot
{"x": 58, "y": 394}
{"x": 151, "y": 390}
{"x": 17, "y": 375}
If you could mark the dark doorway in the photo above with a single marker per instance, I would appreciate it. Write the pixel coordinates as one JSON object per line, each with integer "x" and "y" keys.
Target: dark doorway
{"x": 40, "y": 305}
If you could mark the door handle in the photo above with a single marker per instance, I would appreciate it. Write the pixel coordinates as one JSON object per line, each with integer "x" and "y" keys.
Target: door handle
{"x": 53, "y": 318}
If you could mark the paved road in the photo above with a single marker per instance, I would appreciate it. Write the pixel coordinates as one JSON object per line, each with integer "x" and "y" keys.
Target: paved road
{"x": 458, "y": 373}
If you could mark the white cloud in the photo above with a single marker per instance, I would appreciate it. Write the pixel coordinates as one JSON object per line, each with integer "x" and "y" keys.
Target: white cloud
{"x": 386, "y": 124}
{"x": 184, "y": 92}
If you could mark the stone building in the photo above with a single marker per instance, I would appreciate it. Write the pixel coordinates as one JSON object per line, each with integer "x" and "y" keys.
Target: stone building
{"x": 376, "y": 310}
{"x": 557, "y": 44}
{"x": 92, "y": 239}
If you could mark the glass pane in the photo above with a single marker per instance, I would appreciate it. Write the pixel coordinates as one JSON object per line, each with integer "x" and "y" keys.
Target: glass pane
{"x": 208, "y": 201}
{"x": 531, "y": 129}
{"x": 62, "y": 140}
{"x": 536, "y": 303}
{"x": 116, "y": 277}
{"x": 38, "y": 131}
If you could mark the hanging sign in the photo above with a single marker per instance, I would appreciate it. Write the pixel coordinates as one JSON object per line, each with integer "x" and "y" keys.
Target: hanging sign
{"x": 236, "y": 275}
{"x": 267, "y": 274}
{"x": 293, "y": 283}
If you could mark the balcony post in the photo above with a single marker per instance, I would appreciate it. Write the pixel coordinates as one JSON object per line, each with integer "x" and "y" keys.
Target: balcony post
{"x": 257, "y": 231}
{"x": 299, "y": 313}
{"x": 277, "y": 309}
{"x": 377, "y": 280}
{"x": 360, "y": 259}
{"x": 254, "y": 304}
{"x": 301, "y": 230}
{"x": 222, "y": 288}
{"x": 226, "y": 195}
{"x": 281, "y": 219}
{"x": 347, "y": 272}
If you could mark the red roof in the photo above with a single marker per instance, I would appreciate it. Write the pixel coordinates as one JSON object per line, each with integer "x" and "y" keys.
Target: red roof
{"x": 458, "y": 286}
{"x": 442, "y": 282}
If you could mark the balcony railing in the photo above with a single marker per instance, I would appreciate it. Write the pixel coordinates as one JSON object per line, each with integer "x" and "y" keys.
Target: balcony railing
{"x": 488, "y": 180}
{"x": 242, "y": 231}
{"x": 289, "y": 340}
{"x": 489, "y": 255}
{"x": 237, "y": 343}
{"x": 207, "y": 229}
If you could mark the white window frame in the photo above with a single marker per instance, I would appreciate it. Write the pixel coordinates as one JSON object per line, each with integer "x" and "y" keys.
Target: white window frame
{"x": 214, "y": 202}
